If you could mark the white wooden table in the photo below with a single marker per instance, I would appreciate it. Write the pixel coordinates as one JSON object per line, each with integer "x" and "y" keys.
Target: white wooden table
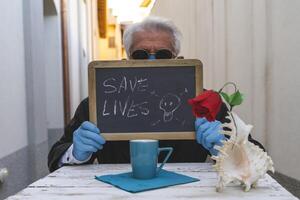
{"x": 77, "y": 182}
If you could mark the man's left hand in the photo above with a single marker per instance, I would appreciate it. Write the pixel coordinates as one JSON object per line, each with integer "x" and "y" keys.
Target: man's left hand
{"x": 208, "y": 134}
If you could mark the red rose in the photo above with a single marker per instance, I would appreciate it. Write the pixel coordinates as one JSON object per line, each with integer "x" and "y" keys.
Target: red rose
{"x": 206, "y": 105}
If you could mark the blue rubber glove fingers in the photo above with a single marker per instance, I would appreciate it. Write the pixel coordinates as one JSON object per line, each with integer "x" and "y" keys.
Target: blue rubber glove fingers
{"x": 86, "y": 140}
{"x": 90, "y": 131}
{"x": 214, "y": 139}
{"x": 212, "y": 135}
{"x": 81, "y": 151}
{"x": 211, "y": 130}
{"x": 213, "y": 151}
{"x": 199, "y": 122}
{"x": 81, "y": 147}
{"x": 201, "y": 130}
{"x": 90, "y": 127}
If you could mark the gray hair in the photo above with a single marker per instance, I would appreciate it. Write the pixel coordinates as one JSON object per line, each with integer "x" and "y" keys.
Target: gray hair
{"x": 152, "y": 24}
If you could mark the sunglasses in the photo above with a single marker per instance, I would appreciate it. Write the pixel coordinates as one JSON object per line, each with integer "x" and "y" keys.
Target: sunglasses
{"x": 141, "y": 54}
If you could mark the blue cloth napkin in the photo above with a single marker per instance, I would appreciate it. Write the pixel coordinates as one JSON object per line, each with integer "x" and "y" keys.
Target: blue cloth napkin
{"x": 125, "y": 181}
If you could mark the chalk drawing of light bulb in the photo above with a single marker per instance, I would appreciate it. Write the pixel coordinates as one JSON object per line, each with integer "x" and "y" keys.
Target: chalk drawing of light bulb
{"x": 169, "y": 104}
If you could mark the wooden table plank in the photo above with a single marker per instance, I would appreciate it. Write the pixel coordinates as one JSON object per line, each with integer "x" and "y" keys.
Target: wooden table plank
{"x": 77, "y": 182}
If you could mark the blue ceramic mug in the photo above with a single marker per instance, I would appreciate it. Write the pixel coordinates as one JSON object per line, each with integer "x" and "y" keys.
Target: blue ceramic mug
{"x": 144, "y": 157}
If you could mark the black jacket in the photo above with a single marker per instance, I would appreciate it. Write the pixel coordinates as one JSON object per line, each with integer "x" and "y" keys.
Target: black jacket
{"x": 118, "y": 151}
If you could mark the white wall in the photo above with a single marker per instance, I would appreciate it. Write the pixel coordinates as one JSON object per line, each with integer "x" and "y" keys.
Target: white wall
{"x": 53, "y": 65}
{"x": 74, "y": 54}
{"x": 79, "y": 50}
{"x": 33, "y": 18}
{"x": 27, "y": 47}
{"x": 84, "y": 50}
{"x": 13, "y": 119}
{"x": 256, "y": 44}
{"x": 284, "y": 84}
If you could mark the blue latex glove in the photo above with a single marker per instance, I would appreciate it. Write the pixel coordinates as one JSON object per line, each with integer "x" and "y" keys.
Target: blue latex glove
{"x": 208, "y": 135}
{"x": 86, "y": 140}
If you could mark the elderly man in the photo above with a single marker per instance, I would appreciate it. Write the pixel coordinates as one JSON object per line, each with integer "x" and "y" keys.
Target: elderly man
{"x": 153, "y": 38}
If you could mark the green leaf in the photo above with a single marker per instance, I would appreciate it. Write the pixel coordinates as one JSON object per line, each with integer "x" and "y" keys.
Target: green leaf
{"x": 236, "y": 99}
{"x": 225, "y": 96}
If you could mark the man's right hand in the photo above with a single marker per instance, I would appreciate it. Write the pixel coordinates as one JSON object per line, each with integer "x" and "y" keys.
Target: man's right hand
{"x": 86, "y": 140}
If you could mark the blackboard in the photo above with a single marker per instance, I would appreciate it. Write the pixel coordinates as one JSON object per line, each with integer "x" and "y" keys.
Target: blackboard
{"x": 144, "y": 99}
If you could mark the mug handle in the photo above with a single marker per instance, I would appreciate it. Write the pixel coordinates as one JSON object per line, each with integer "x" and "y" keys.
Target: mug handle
{"x": 170, "y": 150}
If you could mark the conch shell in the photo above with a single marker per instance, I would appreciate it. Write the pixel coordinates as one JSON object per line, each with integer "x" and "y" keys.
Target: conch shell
{"x": 240, "y": 160}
